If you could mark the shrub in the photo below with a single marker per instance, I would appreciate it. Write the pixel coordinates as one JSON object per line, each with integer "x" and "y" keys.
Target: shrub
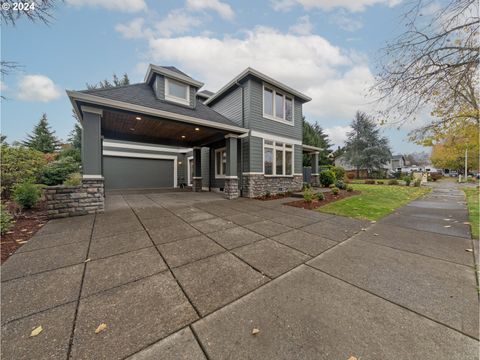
{"x": 435, "y": 176}
{"x": 380, "y": 182}
{"x": 58, "y": 171}
{"x": 335, "y": 191}
{"x": 6, "y": 220}
{"x": 308, "y": 195}
{"x": 393, "y": 182}
{"x": 349, "y": 188}
{"x": 71, "y": 152}
{"x": 370, "y": 182}
{"x": 340, "y": 184}
{"x": 20, "y": 164}
{"x": 407, "y": 180}
{"x": 26, "y": 195}
{"x": 320, "y": 196}
{"x": 417, "y": 183}
{"x": 74, "y": 179}
{"x": 350, "y": 176}
{"x": 339, "y": 172}
{"x": 327, "y": 177}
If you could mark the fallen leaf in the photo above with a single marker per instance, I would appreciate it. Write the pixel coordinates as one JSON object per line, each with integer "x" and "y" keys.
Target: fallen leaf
{"x": 255, "y": 331}
{"x": 363, "y": 229}
{"x": 447, "y": 219}
{"x": 100, "y": 328}
{"x": 466, "y": 222}
{"x": 447, "y": 226}
{"x": 352, "y": 358}
{"x": 87, "y": 260}
{"x": 373, "y": 221}
{"x": 36, "y": 331}
{"x": 375, "y": 234}
{"x": 23, "y": 230}
{"x": 469, "y": 250}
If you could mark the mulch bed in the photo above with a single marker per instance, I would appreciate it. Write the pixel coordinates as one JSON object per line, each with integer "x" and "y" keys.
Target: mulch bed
{"x": 27, "y": 223}
{"x": 329, "y": 197}
{"x": 272, "y": 197}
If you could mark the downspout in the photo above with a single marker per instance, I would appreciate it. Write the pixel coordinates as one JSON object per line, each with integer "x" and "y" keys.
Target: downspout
{"x": 240, "y": 176}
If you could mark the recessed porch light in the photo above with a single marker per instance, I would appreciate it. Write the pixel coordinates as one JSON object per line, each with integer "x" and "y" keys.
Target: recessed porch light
{"x": 138, "y": 118}
{"x": 183, "y": 136}
{"x": 133, "y": 129}
{"x": 197, "y": 129}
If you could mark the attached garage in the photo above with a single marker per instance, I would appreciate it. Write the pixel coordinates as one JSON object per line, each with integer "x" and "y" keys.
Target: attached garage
{"x": 139, "y": 171}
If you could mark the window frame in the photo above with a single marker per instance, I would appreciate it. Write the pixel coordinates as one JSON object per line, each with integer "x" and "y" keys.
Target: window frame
{"x": 284, "y": 147}
{"x": 174, "y": 98}
{"x": 274, "y": 117}
{"x": 219, "y": 175}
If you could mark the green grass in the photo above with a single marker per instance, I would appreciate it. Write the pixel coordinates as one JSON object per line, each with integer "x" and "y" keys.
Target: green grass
{"x": 472, "y": 204}
{"x": 375, "y": 201}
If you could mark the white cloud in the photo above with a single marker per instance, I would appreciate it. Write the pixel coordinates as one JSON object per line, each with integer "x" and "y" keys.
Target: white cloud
{"x": 133, "y": 30}
{"x": 345, "y": 22}
{"x": 337, "y": 135}
{"x": 223, "y": 9}
{"x": 37, "y": 88}
{"x": 327, "y": 5}
{"x": 303, "y": 26}
{"x": 334, "y": 78}
{"x": 176, "y": 22}
{"x": 3, "y": 86}
{"x": 116, "y": 5}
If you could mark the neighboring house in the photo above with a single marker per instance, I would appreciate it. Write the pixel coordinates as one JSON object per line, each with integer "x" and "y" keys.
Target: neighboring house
{"x": 398, "y": 162}
{"x": 245, "y": 140}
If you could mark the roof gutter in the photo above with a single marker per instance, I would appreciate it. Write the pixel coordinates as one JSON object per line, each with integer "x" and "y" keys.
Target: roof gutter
{"x": 98, "y": 100}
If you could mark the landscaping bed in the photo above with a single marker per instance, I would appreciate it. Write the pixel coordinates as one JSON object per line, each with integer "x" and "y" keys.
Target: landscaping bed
{"x": 329, "y": 197}
{"x": 27, "y": 223}
{"x": 273, "y": 196}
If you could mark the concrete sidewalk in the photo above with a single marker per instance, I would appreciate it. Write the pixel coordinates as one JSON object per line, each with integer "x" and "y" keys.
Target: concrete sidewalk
{"x": 189, "y": 276}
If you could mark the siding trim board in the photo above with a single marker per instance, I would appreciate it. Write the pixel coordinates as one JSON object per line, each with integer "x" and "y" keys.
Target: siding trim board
{"x": 272, "y": 137}
{"x": 111, "y": 144}
{"x": 146, "y": 156}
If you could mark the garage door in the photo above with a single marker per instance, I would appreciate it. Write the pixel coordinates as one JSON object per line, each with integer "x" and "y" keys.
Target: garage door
{"x": 137, "y": 173}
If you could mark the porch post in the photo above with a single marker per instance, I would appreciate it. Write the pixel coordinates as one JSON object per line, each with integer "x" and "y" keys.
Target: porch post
{"x": 315, "y": 175}
{"x": 197, "y": 169}
{"x": 231, "y": 178}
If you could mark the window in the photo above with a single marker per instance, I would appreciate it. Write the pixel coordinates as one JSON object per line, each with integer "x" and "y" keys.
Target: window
{"x": 177, "y": 91}
{"x": 220, "y": 163}
{"x": 277, "y": 106}
{"x": 277, "y": 158}
{"x": 268, "y": 101}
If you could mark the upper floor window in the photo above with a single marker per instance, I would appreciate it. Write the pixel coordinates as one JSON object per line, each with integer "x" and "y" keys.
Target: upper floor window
{"x": 177, "y": 91}
{"x": 277, "y": 106}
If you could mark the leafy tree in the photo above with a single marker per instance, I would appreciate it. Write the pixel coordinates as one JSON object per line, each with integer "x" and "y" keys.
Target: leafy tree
{"x": 106, "y": 84}
{"x": 433, "y": 64}
{"x": 365, "y": 148}
{"x": 314, "y": 135}
{"x": 418, "y": 158}
{"x": 42, "y": 138}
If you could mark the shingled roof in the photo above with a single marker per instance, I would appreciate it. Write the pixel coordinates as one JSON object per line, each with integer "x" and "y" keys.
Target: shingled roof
{"x": 142, "y": 94}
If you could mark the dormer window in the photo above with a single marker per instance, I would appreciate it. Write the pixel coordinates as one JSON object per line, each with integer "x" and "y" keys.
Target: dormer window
{"x": 177, "y": 92}
{"x": 277, "y": 106}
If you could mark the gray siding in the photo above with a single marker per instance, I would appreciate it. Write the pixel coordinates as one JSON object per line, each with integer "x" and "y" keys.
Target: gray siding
{"x": 256, "y": 154}
{"x": 91, "y": 144}
{"x": 205, "y": 167}
{"x": 245, "y": 151}
{"x": 256, "y": 121}
{"x": 230, "y": 106}
{"x": 298, "y": 161}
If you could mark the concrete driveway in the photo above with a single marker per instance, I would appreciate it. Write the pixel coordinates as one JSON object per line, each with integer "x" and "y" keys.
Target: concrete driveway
{"x": 190, "y": 276}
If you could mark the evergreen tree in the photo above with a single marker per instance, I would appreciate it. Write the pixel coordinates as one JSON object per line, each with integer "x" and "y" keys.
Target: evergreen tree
{"x": 75, "y": 136}
{"x": 106, "y": 84}
{"x": 42, "y": 138}
{"x": 365, "y": 148}
{"x": 314, "y": 135}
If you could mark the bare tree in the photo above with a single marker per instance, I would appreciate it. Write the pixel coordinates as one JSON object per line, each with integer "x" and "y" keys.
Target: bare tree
{"x": 40, "y": 12}
{"x": 433, "y": 63}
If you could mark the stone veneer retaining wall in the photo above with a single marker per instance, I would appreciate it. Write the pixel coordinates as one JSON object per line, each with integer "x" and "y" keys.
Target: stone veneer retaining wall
{"x": 258, "y": 185}
{"x": 65, "y": 201}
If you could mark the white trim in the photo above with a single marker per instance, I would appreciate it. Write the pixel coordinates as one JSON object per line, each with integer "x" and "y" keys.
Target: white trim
{"x": 174, "y": 98}
{"x": 316, "y": 174}
{"x": 197, "y": 178}
{"x": 92, "y": 177}
{"x": 230, "y": 177}
{"x": 253, "y": 173}
{"x": 271, "y": 137}
{"x": 297, "y": 174}
{"x": 91, "y": 110}
{"x": 75, "y": 95}
{"x": 189, "y": 175}
{"x": 273, "y": 117}
{"x": 231, "y": 136}
{"x": 220, "y": 150}
{"x": 109, "y": 143}
{"x": 153, "y": 69}
{"x": 146, "y": 156}
{"x": 263, "y": 77}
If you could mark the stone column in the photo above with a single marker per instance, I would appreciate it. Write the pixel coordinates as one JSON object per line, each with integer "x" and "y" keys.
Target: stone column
{"x": 315, "y": 179}
{"x": 93, "y": 182}
{"x": 231, "y": 178}
{"x": 197, "y": 169}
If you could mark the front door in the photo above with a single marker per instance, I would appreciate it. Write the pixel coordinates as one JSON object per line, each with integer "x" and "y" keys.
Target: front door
{"x": 190, "y": 172}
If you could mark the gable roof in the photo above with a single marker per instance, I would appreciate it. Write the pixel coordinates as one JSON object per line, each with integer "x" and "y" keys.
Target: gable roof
{"x": 250, "y": 71}
{"x": 205, "y": 94}
{"x": 171, "y": 72}
{"x": 143, "y": 95}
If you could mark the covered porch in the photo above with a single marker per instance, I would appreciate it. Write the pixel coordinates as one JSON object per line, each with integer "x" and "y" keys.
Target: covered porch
{"x": 313, "y": 152}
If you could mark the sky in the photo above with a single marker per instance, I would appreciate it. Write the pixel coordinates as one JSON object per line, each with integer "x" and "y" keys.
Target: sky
{"x": 327, "y": 49}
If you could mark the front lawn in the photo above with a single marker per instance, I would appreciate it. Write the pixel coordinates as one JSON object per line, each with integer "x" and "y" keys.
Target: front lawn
{"x": 473, "y": 211}
{"x": 375, "y": 201}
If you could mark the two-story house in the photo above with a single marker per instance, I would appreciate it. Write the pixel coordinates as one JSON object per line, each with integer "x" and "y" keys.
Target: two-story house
{"x": 244, "y": 140}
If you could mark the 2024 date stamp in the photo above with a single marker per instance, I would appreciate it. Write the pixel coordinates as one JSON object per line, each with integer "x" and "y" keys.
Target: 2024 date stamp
{"x": 18, "y": 6}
